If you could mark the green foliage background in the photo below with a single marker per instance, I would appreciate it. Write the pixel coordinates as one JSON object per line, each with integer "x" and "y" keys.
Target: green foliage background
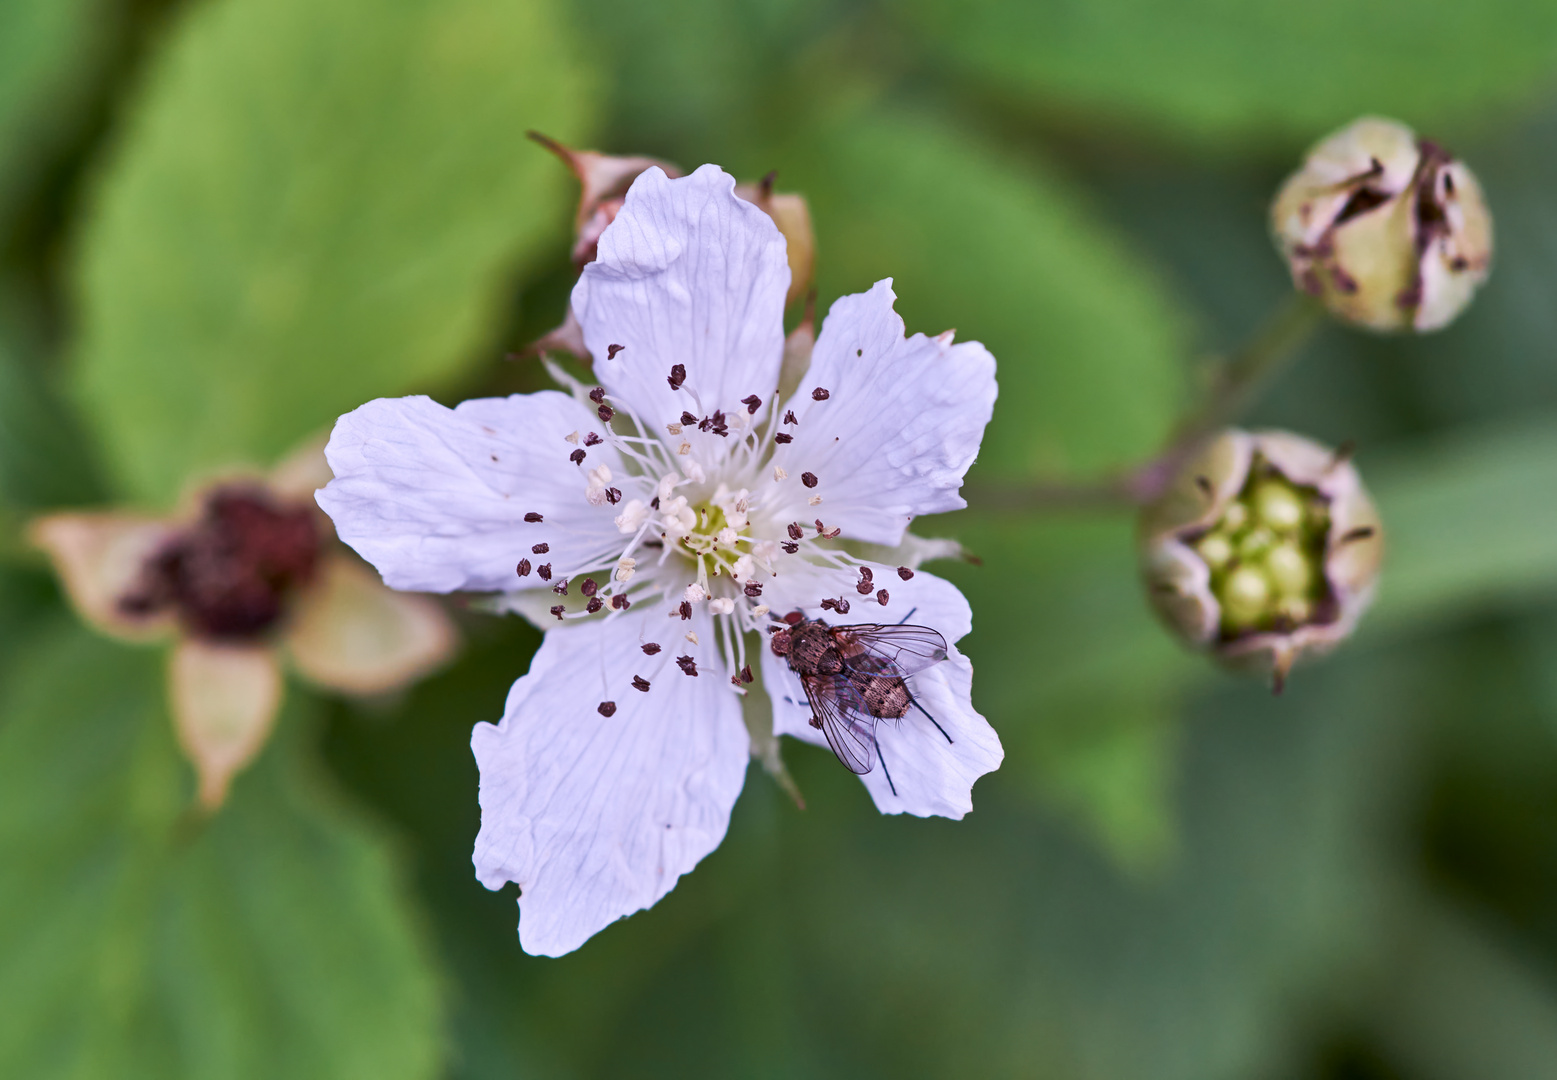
{"x": 222, "y": 222}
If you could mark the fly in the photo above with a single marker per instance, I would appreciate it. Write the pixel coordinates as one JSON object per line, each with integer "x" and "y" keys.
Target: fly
{"x": 856, "y": 675}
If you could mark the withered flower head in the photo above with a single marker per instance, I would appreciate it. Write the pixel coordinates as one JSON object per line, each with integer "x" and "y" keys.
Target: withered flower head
{"x": 248, "y": 576}
{"x": 1265, "y": 549}
{"x": 1388, "y": 230}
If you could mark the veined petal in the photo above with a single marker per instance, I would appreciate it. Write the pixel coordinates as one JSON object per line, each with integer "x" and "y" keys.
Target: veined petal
{"x": 687, "y": 274}
{"x": 900, "y": 424}
{"x": 351, "y": 633}
{"x": 224, "y": 700}
{"x": 595, "y": 816}
{"x": 932, "y": 770}
{"x": 436, "y": 498}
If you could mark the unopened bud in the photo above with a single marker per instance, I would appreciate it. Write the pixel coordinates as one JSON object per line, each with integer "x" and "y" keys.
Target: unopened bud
{"x": 1387, "y": 229}
{"x": 1263, "y": 550}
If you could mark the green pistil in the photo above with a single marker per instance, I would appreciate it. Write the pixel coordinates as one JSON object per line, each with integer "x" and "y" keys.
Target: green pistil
{"x": 703, "y": 542}
{"x": 1266, "y": 554}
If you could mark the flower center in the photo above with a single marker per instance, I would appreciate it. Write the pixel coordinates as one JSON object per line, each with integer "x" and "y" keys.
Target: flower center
{"x": 1267, "y": 555}
{"x": 230, "y": 574}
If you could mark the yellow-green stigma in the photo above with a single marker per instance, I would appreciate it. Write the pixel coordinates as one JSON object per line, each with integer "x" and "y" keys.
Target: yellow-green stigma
{"x": 713, "y": 540}
{"x": 1266, "y": 554}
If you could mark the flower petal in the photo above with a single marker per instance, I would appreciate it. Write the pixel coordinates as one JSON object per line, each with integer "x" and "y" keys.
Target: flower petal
{"x": 933, "y": 773}
{"x": 687, "y": 274}
{"x": 99, "y": 558}
{"x": 436, "y": 498}
{"x": 900, "y": 424}
{"x": 353, "y": 634}
{"x": 224, "y": 700}
{"x": 595, "y": 817}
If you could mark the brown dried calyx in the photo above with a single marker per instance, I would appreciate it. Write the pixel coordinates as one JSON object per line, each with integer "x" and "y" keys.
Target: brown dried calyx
{"x": 230, "y": 575}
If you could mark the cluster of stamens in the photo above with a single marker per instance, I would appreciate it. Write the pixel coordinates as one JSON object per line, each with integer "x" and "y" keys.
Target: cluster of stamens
{"x": 667, "y": 508}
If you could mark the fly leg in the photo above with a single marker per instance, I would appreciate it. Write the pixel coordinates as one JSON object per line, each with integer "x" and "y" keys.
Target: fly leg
{"x": 915, "y": 703}
{"x": 885, "y": 772}
{"x": 910, "y": 615}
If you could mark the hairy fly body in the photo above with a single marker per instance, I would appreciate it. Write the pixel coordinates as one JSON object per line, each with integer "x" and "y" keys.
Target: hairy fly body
{"x": 856, "y": 675}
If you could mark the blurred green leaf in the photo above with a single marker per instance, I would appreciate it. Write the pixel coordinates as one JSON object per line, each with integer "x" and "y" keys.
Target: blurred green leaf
{"x": 44, "y": 455}
{"x": 314, "y": 204}
{"x": 1470, "y": 521}
{"x": 1089, "y": 345}
{"x": 136, "y": 940}
{"x": 43, "y": 46}
{"x": 1255, "y": 69}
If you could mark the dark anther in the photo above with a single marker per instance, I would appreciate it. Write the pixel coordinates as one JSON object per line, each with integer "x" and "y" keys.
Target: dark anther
{"x": 819, "y": 394}
{"x": 651, "y": 648}
{"x": 540, "y": 549}
{"x": 561, "y": 588}
{"x": 828, "y": 603}
{"x": 1206, "y": 487}
{"x": 705, "y": 423}
{"x": 523, "y": 569}
{"x": 795, "y": 530}
{"x": 746, "y": 675}
{"x": 1362, "y": 532}
{"x": 688, "y": 418}
{"x": 557, "y": 610}
{"x": 532, "y": 517}
{"x": 592, "y": 439}
{"x": 606, "y": 412}
{"x": 613, "y": 495}
{"x": 882, "y": 596}
{"x": 789, "y": 417}
{"x": 808, "y": 479}
{"x": 843, "y": 606}
{"x": 597, "y": 395}
{"x": 544, "y": 570}
{"x": 783, "y": 437}
{"x": 752, "y": 403}
{"x": 577, "y": 457}
{"x": 794, "y": 618}
{"x": 687, "y": 665}
{"x": 904, "y": 572}
{"x": 640, "y": 683}
{"x": 678, "y": 375}
{"x": 620, "y": 602}
{"x": 589, "y": 587}
{"x": 789, "y": 547}
{"x": 866, "y": 573}
{"x": 594, "y": 605}
{"x": 606, "y": 708}
{"x": 717, "y": 424}
{"x": 863, "y": 588}
{"x": 612, "y": 350}
{"x": 753, "y": 588}
{"x": 685, "y": 609}
{"x": 654, "y": 503}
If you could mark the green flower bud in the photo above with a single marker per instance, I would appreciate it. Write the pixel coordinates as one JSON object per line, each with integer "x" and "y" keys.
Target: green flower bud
{"x": 1264, "y": 549}
{"x": 1387, "y": 229}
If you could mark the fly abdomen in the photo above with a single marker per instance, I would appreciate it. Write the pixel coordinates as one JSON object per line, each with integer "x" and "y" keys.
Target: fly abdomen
{"x": 885, "y": 696}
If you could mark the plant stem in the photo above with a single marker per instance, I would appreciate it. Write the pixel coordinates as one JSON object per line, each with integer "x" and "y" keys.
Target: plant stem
{"x": 1236, "y": 387}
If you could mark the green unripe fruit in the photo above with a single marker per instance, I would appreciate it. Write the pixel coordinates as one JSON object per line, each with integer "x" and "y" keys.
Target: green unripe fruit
{"x": 1290, "y": 570}
{"x": 1278, "y": 506}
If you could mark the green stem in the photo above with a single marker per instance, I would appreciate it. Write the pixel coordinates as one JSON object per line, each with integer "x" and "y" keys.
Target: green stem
{"x": 1237, "y": 387}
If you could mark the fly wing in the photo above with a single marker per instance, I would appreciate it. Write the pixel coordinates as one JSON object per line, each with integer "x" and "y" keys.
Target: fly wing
{"x": 850, "y": 730}
{"x": 890, "y": 650}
